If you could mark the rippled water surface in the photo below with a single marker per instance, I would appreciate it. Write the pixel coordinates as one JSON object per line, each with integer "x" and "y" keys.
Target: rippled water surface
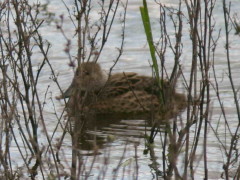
{"x": 127, "y": 135}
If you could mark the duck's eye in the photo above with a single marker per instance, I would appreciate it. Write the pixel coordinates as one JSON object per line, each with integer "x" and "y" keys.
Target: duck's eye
{"x": 86, "y": 73}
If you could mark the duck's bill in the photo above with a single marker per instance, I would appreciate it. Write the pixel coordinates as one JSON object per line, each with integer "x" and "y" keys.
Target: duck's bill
{"x": 67, "y": 93}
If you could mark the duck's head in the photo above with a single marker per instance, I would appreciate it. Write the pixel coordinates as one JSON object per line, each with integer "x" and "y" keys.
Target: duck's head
{"x": 89, "y": 77}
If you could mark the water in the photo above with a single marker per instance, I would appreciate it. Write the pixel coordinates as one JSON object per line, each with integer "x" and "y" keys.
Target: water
{"x": 118, "y": 136}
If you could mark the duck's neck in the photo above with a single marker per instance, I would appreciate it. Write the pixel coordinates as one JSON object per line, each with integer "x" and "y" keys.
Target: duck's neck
{"x": 103, "y": 80}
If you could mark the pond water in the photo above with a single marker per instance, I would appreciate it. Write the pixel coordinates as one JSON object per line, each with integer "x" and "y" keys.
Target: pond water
{"x": 126, "y": 136}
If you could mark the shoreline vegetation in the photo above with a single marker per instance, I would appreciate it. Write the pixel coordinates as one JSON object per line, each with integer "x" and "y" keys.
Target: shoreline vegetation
{"x": 29, "y": 150}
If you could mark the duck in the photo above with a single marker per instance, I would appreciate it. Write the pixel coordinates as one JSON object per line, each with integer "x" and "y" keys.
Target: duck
{"x": 92, "y": 89}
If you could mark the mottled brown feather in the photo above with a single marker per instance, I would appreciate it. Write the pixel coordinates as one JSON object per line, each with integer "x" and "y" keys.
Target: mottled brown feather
{"x": 121, "y": 93}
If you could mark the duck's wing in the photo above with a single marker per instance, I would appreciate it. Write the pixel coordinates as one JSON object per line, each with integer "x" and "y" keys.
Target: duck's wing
{"x": 121, "y": 83}
{"x": 130, "y": 102}
{"x": 116, "y": 85}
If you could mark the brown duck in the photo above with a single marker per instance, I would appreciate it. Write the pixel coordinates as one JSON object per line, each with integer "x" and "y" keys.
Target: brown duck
{"x": 127, "y": 93}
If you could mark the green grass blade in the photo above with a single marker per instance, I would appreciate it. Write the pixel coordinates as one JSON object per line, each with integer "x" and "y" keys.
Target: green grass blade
{"x": 148, "y": 32}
